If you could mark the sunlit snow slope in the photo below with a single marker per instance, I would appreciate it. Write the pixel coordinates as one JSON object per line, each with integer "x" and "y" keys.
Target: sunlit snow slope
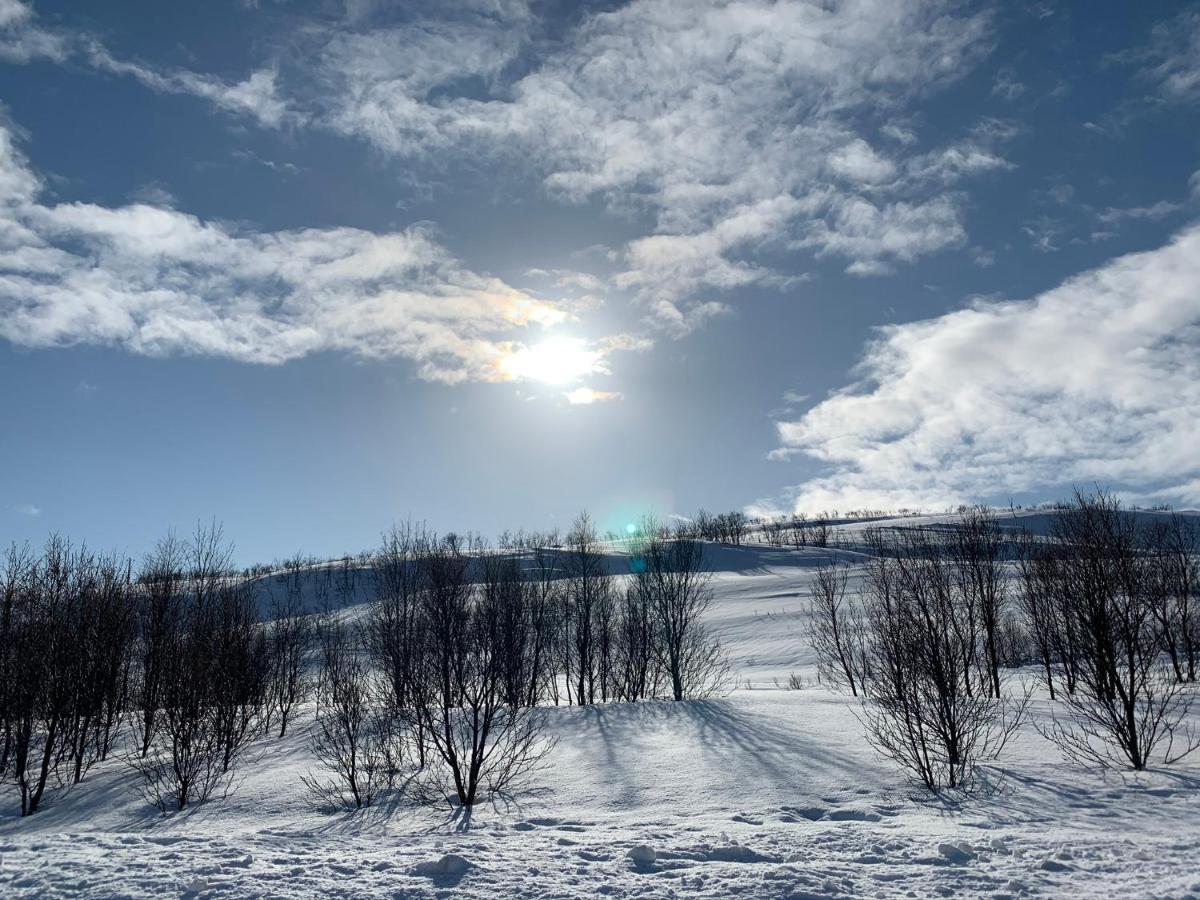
{"x": 767, "y": 792}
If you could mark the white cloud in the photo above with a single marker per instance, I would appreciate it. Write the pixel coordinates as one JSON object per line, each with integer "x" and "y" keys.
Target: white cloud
{"x": 872, "y": 234}
{"x": 858, "y": 162}
{"x": 1006, "y": 86}
{"x": 158, "y": 281}
{"x": 256, "y": 96}
{"x": 1172, "y": 59}
{"x": 1152, "y": 213}
{"x": 1043, "y": 233}
{"x": 898, "y": 133}
{"x": 738, "y": 129}
{"x": 22, "y": 40}
{"x": 27, "y": 509}
{"x": 1111, "y": 219}
{"x": 1097, "y": 380}
{"x": 379, "y": 82}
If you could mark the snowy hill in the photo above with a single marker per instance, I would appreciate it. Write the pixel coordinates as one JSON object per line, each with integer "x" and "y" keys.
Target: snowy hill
{"x": 767, "y": 792}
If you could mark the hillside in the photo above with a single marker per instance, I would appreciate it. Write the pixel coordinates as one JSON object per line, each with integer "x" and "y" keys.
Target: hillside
{"x": 765, "y": 792}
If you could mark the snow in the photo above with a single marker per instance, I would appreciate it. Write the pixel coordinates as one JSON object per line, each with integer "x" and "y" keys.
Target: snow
{"x": 764, "y": 793}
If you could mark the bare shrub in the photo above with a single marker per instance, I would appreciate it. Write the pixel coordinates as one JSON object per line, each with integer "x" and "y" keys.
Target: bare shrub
{"x": 1128, "y": 702}
{"x": 920, "y": 710}
{"x": 1174, "y": 589}
{"x": 636, "y": 668}
{"x": 393, "y": 629}
{"x": 66, "y": 631}
{"x": 977, "y": 551}
{"x": 212, "y": 684}
{"x": 354, "y": 738}
{"x": 480, "y": 743}
{"x": 159, "y": 609}
{"x": 670, "y": 576}
{"x": 587, "y": 592}
{"x": 837, "y": 632}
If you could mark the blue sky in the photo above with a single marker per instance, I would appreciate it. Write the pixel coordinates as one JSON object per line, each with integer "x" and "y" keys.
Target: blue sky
{"x": 313, "y": 267}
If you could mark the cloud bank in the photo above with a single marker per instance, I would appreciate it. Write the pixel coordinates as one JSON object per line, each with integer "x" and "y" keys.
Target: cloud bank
{"x": 1097, "y": 380}
{"x": 156, "y": 281}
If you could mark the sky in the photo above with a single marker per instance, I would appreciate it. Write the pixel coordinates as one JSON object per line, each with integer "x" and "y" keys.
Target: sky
{"x": 310, "y": 268}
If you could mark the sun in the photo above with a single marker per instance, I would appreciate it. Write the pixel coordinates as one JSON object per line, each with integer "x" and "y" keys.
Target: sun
{"x": 555, "y": 361}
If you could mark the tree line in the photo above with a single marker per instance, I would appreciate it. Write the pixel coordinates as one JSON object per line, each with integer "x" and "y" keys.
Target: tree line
{"x": 1105, "y": 608}
{"x": 437, "y": 684}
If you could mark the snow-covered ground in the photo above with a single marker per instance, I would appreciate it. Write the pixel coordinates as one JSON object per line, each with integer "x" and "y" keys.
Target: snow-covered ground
{"x": 767, "y": 792}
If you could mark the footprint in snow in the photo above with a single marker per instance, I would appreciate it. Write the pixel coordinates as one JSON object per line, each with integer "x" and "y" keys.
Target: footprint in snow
{"x": 852, "y": 815}
{"x": 957, "y": 853}
{"x": 796, "y": 813}
{"x": 746, "y": 820}
{"x": 449, "y": 869}
{"x": 736, "y": 853}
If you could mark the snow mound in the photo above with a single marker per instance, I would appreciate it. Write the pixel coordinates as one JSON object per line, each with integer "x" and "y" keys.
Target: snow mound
{"x": 449, "y": 866}
{"x": 957, "y": 853}
{"x": 642, "y": 855}
{"x": 736, "y": 853}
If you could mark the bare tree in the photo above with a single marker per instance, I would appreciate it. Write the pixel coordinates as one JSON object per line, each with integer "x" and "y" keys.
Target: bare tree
{"x": 239, "y": 677}
{"x": 212, "y": 685}
{"x": 159, "y": 610}
{"x": 482, "y": 743}
{"x": 585, "y": 590}
{"x": 773, "y": 531}
{"x": 636, "y": 668}
{"x": 799, "y": 530}
{"x": 16, "y": 579}
{"x": 977, "y": 549}
{"x": 511, "y": 595}
{"x": 354, "y": 737}
{"x": 100, "y": 624}
{"x": 289, "y": 637}
{"x": 544, "y": 604}
{"x": 1037, "y": 602}
{"x": 66, "y": 632}
{"x": 837, "y": 631}
{"x": 393, "y": 630}
{"x": 1128, "y": 702}
{"x": 919, "y": 709}
{"x": 28, "y": 653}
{"x": 673, "y": 583}
{"x": 1174, "y": 588}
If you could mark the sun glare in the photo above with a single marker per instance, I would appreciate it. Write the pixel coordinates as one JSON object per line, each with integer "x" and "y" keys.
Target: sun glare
{"x": 555, "y": 361}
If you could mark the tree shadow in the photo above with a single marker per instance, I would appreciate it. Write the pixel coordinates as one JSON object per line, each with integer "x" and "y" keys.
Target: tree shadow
{"x": 1112, "y": 797}
{"x": 748, "y": 744}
